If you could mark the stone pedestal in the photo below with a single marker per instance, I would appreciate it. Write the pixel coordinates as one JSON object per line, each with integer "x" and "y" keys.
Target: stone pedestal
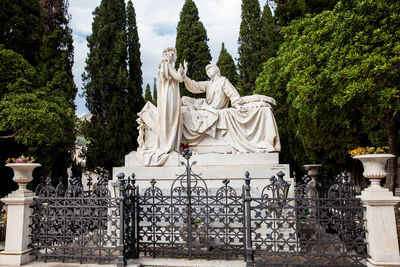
{"x": 212, "y": 167}
{"x": 16, "y": 251}
{"x": 383, "y": 246}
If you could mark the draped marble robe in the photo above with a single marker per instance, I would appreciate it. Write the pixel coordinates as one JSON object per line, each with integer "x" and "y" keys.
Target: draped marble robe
{"x": 169, "y": 122}
{"x": 246, "y": 130}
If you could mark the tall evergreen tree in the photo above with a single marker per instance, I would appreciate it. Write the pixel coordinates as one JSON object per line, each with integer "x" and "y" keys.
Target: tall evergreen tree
{"x": 55, "y": 66}
{"x": 249, "y": 61}
{"x": 288, "y": 10}
{"x": 269, "y": 36}
{"x": 57, "y": 51}
{"x": 227, "y": 65}
{"x": 191, "y": 43}
{"x": 135, "y": 100}
{"x": 110, "y": 132}
{"x": 21, "y": 28}
{"x": 147, "y": 94}
{"x": 155, "y": 92}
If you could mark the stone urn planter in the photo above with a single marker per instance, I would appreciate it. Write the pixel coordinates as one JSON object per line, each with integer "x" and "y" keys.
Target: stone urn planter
{"x": 23, "y": 173}
{"x": 374, "y": 167}
{"x": 312, "y": 171}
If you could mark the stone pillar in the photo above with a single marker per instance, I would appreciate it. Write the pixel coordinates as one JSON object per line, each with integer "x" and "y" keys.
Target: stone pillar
{"x": 16, "y": 251}
{"x": 383, "y": 246}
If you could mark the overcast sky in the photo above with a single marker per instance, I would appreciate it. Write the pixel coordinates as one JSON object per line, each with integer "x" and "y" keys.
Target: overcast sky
{"x": 157, "y": 21}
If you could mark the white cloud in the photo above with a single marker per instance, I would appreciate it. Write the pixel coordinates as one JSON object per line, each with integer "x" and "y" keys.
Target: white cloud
{"x": 157, "y": 21}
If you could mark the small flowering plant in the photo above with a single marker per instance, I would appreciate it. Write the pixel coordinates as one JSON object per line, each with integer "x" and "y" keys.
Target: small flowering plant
{"x": 368, "y": 150}
{"x": 21, "y": 159}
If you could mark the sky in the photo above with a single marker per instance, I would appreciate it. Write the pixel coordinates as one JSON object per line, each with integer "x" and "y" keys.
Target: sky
{"x": 157, "y": 21}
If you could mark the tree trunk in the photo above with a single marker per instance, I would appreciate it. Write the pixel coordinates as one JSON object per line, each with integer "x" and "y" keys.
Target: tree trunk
{"x": 391, "y": 179}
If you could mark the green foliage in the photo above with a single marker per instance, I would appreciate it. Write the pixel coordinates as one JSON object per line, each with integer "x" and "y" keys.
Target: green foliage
{"x": 135, "y": 80}
{"x": 135, "y": 100}
{"x": 249, "y": 61}
{"x": 155, "y": 92}
{"x": 191, "y": 44}
{"x": 110, "y": 133}
{"x": 269, "y": 36}
{"x": 56, "y": 60}
{"x": 227, "y": 66}
{"x": 289, "y": 10}
{"x": 147, "y": 94}
{"x": 55, "y": 63}
{"x": 343, "y": 63}
{"x": 21, "y": 28}
{"x": 37, "y": 117}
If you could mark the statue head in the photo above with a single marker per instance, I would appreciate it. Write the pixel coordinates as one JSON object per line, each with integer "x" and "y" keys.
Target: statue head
{"x": 169, "y": 54}
{"x": 212, "y": 70}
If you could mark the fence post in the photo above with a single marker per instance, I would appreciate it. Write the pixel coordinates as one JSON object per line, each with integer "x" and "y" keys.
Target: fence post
{"x": 16, "y": 251}
{"x": 247, "y": 221}
{"x": 383, "y": 246}
{"x": 122, "y": 257}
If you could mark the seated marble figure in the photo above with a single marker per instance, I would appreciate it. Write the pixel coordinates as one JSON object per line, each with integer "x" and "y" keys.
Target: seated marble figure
{"x": 211, "y": 126}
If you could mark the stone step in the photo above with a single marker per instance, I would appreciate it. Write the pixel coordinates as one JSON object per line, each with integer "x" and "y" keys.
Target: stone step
{"x": 173, "y": 262}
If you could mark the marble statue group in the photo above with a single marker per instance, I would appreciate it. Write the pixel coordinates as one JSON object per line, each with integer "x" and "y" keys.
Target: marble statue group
{"x": 223, "y": 122}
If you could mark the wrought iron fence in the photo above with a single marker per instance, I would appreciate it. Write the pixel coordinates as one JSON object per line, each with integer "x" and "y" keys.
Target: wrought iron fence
{"x": 71, "y": 225}
{"x": 305, "y": 230}
{"x": 270, "y": 229}
{"x": 190, "y": 220}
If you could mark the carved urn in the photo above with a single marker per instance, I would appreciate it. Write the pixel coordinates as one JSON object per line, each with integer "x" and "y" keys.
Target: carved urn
{"x": 312, "y": 171}
{"x": 374, "y": 167}
{"x": 23, "y": 173}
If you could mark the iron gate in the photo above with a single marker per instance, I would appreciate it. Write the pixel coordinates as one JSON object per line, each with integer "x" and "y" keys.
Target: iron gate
{"x": 189, "y": 221}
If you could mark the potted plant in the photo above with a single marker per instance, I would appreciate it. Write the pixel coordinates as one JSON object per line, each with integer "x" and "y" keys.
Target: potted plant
{"x": 23, "y": 168}
{"x": 374, "y": 162}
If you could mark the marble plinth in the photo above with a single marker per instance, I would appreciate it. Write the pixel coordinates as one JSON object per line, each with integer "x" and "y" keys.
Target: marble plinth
{"x": 212, "y": 167}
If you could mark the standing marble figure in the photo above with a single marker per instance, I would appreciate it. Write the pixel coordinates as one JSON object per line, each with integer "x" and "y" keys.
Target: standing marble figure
{"x": 169, "y": 121}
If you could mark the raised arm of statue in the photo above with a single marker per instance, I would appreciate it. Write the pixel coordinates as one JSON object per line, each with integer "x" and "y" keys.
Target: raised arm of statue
{"x": 196, "y": 87}
{"x": 176, "y": 75}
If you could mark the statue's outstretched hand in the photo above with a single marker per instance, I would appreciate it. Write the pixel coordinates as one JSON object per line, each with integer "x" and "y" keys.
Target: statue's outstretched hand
{"x": 185, "y": 64}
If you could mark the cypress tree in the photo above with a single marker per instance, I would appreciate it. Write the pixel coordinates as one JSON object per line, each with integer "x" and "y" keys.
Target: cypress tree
{"x": 191, "y": 44}
{"x": 135, "y": 100}
{"x": 110, "y": 132}
{"x": 55, "y": 67}
{"x": 249, "y": 61}
{"x": 21, "y": 28}
{"x": 147, "y": 94}
{"x": 57, "y": 51}
{"x": 227, "y": 65}
{"x": 268, "y": 36}
{"x": 155, "y": 92}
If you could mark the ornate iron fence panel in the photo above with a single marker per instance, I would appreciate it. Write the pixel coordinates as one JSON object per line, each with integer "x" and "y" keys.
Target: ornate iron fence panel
{"x": 188, "y": 221}
{"x": 71, "y": 225}
{"x": 305, "y": 230}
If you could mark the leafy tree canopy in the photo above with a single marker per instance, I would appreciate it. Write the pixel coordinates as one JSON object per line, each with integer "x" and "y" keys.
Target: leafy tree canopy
{"x": 33, "y": 115}
{"x": 343, "y": 63}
